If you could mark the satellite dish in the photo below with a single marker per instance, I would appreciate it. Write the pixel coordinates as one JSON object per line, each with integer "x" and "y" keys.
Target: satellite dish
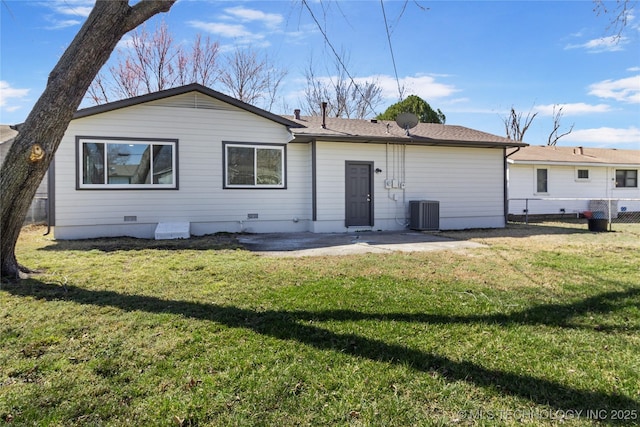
{"x": 407, "y": 121}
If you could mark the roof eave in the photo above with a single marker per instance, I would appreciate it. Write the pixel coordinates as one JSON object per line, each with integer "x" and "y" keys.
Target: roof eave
{"x": 566, "y": 163}
{"x": 403, "y": 140}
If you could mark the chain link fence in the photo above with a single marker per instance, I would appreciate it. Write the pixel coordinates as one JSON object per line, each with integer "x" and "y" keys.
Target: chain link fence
{"x": 38, "y": 211}
{"x": 600, "y": 214}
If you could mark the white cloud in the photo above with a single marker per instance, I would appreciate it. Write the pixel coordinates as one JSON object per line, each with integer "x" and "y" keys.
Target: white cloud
{"x": 606, "y": 136}
{"x": 71, "y": 7}
{"x": 604, "y": 44}
{"x": 426, "y": 87}
{"x": 67, "y": 8}
{"x": 220, "y": 29}
{"x": 58, "y": 24}
{"x": 10, "y": 93}
{"x": 624, "y": 90}
{"x": 271, "y": 20}
{"x": 234, "y": 31}
{"x": 573, "y": 109}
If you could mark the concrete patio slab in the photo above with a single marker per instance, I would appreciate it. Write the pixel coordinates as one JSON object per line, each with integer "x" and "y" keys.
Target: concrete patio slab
{"x": 319, "y": 244}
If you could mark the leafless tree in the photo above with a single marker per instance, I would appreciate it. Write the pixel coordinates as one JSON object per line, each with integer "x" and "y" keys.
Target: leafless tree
{"x": 344, "y": 96}
{"x": 315, "y": 93}
{"x": 554, "y": 136}
{"x": 35, "y": 145}
{"x": 251, "y": 77}
{"x": 514, "y": 125}
{"x": 201, "y": 65}
{"x": 153, "y": 62}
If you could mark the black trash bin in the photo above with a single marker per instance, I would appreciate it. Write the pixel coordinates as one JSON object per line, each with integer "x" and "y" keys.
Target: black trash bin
{"x": 596, "y": 224}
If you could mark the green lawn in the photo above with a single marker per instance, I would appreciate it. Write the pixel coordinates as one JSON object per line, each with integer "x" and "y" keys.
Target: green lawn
{"x": 541, "y": 327}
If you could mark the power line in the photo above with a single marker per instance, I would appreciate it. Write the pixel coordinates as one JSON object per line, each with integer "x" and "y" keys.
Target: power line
{"x": 340, "y": 61}
{"x": 393, "y": 59}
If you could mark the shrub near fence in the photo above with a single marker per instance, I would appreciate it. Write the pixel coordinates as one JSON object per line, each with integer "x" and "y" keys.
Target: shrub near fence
{"x": 612, "y": 210}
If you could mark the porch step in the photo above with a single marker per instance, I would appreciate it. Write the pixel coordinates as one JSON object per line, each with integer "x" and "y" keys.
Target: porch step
{"x": 172, "y": 230}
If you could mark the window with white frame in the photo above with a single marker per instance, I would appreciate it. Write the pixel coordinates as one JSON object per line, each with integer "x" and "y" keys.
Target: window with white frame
{"x": 582, "y": 174}
{"x": 626, "y": 178}
{"x": 254, "y": 166}
{"x": 542, "y": 176}
{"x": 126, "y": 163}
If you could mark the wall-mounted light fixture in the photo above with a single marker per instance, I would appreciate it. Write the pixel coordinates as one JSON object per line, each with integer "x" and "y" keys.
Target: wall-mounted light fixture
{"x": 378, "y": 170}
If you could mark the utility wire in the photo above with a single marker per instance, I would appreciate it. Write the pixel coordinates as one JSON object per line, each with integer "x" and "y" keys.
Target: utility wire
{"x": 340, "y": 61}
{"x": 393, "y": 59}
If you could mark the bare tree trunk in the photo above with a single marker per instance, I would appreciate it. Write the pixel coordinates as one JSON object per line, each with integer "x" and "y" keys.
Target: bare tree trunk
{"x": 34, "y": 147}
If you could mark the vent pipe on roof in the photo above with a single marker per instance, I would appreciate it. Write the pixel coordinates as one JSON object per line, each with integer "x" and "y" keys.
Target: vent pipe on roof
{"x": 296, "y": 113}
{"x": 324, "y": 115}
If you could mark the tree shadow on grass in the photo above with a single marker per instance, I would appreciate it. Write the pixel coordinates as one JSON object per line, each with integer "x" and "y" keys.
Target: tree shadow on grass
{"x": 289, "y": 326}
{"x": 554, "y": 315}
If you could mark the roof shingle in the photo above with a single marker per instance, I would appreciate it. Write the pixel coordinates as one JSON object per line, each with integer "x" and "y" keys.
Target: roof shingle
{"x": 383, "y": 130}
{"x": 580, "y": 155}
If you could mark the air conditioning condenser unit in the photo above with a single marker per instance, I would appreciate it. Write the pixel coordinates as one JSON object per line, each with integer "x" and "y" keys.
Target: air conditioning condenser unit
{"x": 424, "y": 215}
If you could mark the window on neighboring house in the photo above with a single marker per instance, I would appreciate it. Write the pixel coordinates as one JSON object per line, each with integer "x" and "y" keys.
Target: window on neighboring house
{"x": 626, "y": 178}
{"x": 583, "y": 174}
{"x": 107, "y": 163}
{"x": 254, "y": 166}
{"x": 541, "y": 180}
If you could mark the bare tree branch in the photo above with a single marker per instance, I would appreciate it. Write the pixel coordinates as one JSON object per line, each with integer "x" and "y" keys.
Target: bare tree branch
{"x": 250, "y": 77}
{"x": 553, "y": 136}
{"x": 155, "y": 62}
{"x": 619, "y": 14}
{"x": 344, "y": 96}
{"x": 514, "y": 125}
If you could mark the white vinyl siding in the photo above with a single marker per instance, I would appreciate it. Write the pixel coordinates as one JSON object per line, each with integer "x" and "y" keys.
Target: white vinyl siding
{"x": 468, "y": 183}
{"x": 200, "y": 199}
{"x": 562, "y": 179}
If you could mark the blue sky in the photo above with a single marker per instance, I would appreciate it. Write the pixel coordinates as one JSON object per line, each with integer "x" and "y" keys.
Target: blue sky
{"x": 474, "y": 60}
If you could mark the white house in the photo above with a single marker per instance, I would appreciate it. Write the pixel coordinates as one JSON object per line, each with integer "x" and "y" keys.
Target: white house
{"x": 194, "y": 156}
{"x": 555, "y": 174}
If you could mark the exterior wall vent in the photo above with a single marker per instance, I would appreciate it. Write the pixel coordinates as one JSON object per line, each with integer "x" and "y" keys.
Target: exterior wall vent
{"x": 424, "y": 215}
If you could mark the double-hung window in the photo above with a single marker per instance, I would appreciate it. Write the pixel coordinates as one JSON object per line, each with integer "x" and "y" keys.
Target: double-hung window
{"x": 254, "y": 166}
{"x": 123, "y": 163}
{"x": 626, "y": 178}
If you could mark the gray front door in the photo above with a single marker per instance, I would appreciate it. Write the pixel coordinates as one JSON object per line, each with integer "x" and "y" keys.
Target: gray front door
{"x": 359, "y": 194}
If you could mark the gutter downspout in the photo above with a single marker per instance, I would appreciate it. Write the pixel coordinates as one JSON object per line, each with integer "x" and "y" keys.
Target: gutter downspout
{"x": 506, "y": 184}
